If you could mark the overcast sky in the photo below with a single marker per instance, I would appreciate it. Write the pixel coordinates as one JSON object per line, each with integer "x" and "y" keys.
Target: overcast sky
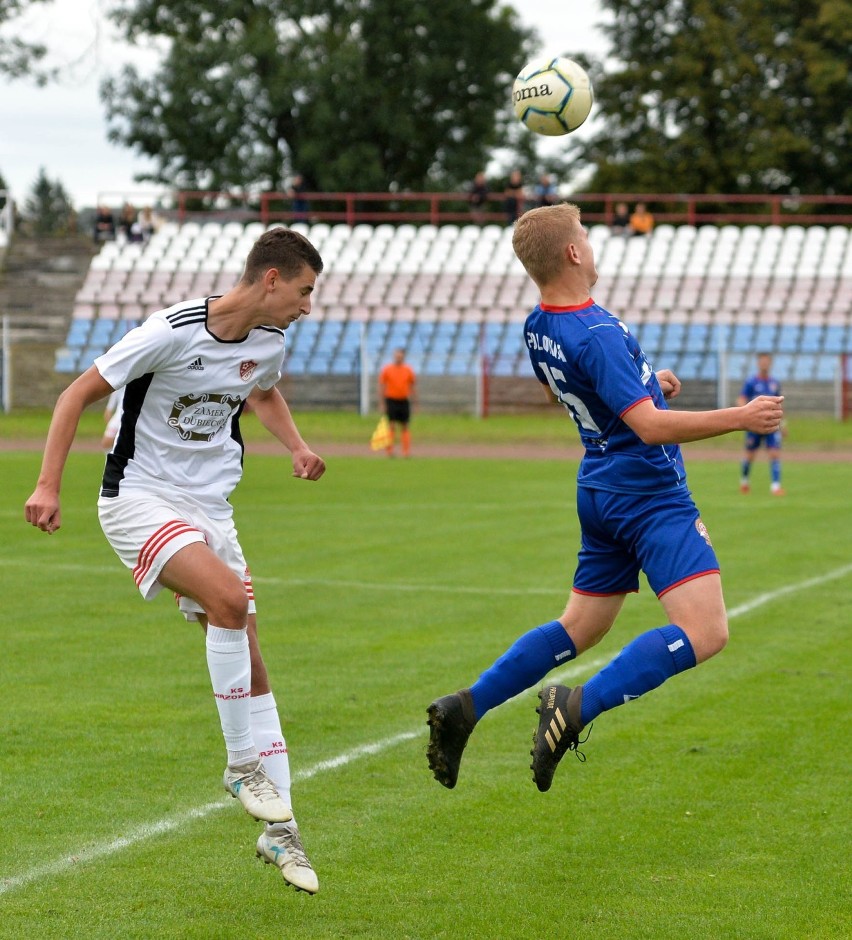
{"x": 63, "y": 129}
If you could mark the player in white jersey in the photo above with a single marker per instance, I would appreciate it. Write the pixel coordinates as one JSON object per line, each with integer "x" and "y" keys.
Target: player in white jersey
{"x": 187, "y": 373}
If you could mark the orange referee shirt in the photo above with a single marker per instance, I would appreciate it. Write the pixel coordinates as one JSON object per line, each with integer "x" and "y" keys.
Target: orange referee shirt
{"x": 397, "y": 380}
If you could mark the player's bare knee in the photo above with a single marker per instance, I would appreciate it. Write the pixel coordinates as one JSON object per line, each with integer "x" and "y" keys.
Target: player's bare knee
{"x": 717, "y": 636}
{"x": 707, "y": 638}
{"x": 229, "y": 609}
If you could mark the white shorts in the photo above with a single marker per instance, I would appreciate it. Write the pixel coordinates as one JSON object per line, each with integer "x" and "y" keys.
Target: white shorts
{"x": 145, "y": 530}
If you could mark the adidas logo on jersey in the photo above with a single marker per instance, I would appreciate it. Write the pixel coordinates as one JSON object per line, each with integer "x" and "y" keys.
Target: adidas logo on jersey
{"x": 197, "y": 365}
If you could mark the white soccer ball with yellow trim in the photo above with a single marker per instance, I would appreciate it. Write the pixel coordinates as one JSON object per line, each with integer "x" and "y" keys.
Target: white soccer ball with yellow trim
{"x": 552, "y": 96}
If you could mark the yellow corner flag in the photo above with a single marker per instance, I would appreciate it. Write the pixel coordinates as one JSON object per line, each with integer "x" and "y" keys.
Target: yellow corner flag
{"x": 382, "y": 436}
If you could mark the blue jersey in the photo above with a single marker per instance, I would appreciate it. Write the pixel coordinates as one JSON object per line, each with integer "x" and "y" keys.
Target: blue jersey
{"x": 598, "y": 371}
{"x": 752, "y": 387}
{"x": 757, "y": 385}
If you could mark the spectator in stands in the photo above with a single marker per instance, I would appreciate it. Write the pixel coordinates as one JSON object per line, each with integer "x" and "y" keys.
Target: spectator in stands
{"x": 621, "y": 220}
{"x": 514, "y": 197}
{"x": 149, "y": 222}
{"x": 164, "y": 504}
{"x": 128, "y": 224}
{"x": 478, "y": 197}
{"x": 762, "y": 383}
{"x": 545, "y": 192}
{"x": 104, "y": 230}
{"x": 397, "y": 394}
{"x": 296, "y": 191}
{"x": 636, "y": 512}
{"x": 641, "y": 221}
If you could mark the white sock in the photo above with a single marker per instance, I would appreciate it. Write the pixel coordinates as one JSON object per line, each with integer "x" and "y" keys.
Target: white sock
{"x": 270, "y": 743}
{"x": 230, "y": 672}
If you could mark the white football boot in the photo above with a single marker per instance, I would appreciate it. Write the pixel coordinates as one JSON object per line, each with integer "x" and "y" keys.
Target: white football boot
{"x": 282, "y": 846}
{"x": 254, "y": 789}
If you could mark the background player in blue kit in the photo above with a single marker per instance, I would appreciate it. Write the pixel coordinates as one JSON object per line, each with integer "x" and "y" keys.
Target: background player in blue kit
{"x": 761, "y": 383}
{"x": 635, "y": 510}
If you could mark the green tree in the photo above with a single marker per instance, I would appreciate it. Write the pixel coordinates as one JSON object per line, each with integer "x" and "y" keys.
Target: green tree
{"x": 725, "y": 96}
{"x": 354, "y": 94}
{"x": 18, "y": 57}
{"x": 48, "y": 209}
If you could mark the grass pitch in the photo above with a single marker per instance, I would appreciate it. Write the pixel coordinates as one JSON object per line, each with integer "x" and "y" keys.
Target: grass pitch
{"x": 716, "y": 806}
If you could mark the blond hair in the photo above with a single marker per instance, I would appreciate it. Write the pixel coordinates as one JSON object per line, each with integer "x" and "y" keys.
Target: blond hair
{"x": 540, "y": 238}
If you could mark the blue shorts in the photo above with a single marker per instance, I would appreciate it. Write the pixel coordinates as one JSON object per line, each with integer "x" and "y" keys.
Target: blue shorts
{"x": 624, "y": 533}
{"x": 772, "y": 441}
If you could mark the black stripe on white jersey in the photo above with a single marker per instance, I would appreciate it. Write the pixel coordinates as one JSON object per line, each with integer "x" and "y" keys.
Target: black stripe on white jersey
{"x": 124, "y": 448}
{"x": 187, "y": 317}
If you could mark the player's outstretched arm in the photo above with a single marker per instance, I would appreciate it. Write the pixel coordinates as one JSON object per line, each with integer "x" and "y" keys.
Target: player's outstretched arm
{"x": 275, "y": 416}
{"x": 42, "y": 508}
{"x": 762, "y": 415}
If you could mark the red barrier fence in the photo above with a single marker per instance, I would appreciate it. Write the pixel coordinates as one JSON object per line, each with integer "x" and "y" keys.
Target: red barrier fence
{"x": 438, "y": 208}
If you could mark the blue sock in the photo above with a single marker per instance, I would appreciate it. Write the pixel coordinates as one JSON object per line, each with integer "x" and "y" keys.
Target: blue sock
{"x": 775, "y": 469}
{"x": 746, "y": 469}
{"x": 526, "y": 662}
{"x": 642, "y": 665}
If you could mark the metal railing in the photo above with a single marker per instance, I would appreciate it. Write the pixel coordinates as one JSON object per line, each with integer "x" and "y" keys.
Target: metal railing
{"x": 444, "y": 207}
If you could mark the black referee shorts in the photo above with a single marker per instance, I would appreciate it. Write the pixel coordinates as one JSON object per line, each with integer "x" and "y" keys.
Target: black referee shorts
{"x": 398, "y": 410}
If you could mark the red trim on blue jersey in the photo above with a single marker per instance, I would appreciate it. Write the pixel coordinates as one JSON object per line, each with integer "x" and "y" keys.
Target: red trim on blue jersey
{"x": 635, "y": 403}
{"x": 549, "y": 308}
{"x": 692, "y": 577}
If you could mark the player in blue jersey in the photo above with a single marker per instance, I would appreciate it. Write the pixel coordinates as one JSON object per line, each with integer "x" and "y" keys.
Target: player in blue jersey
{"x": 761, "y": 383}
{"x": 635, "y": 510}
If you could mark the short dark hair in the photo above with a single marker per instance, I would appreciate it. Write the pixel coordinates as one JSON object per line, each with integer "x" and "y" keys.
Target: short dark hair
{"x": 284, "y": 249}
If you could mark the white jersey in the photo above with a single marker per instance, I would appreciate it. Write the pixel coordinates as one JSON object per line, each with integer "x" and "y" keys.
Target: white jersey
{"x": 185, "y": 391}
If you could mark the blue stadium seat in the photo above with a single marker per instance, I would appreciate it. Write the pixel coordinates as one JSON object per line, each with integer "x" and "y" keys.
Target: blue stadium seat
{"x": 78, "y": 333}
{"x": 349, "y": 345}
{"x": 88, "y": 356}
{"x": 301, "y": 337}
{"x": 328, "y": 332}
{"x": 421, "y": 335}
{"x": 709, "y": 369}
{"x": 376, "y": 333}
{"x": 442, "y": 339}
{"x": 66, "y": 360}
{"x": 788, "y": 338}
{"x": 812, "y": 339}
{"x": 697, "y": 337}
{"x": 674, "y": 337}
{"x": 742, "y": 337}
{"x": 467, "y": 340}
{"x": 689, "y": 366}
{"x": 782, "y": 366}
{"x": 804, "y": 368}
{"x": 837, "y": 339}
{"x": 649, "y": 336}
{"x": 102, "y": 331}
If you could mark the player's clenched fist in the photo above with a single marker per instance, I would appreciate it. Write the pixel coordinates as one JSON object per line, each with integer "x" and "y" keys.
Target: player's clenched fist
{"x": 43, "y": 511}
{"x": 763, "y": 415}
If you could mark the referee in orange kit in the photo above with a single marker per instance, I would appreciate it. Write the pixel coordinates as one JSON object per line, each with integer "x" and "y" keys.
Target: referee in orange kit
{"x": 398, "y": 391}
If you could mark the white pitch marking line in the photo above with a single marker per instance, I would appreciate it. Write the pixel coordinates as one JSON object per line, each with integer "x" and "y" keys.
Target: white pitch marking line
{"x": 179, "y": 820}
{"x": 172, "y": 823}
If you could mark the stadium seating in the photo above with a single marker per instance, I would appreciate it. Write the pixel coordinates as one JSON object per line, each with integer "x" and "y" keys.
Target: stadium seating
{"x": 455, "y": 295}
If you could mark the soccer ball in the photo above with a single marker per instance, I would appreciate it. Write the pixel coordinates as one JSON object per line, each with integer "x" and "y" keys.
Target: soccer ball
{"x": 552, "y": 96}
